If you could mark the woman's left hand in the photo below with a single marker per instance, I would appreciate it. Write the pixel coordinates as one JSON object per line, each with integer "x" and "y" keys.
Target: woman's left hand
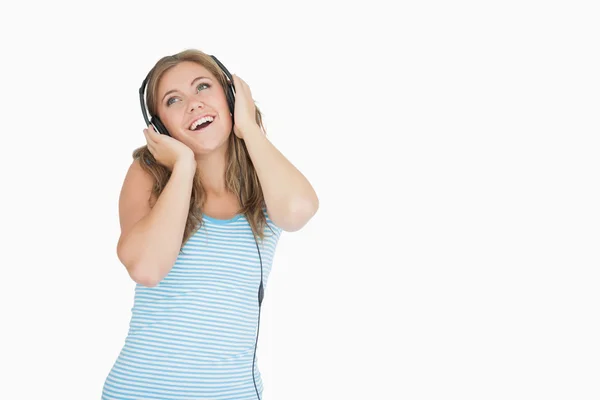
{"x": 244, "y": 111}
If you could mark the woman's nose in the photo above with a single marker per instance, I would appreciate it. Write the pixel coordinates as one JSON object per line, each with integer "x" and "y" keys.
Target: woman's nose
{"x": 195, "y": 104}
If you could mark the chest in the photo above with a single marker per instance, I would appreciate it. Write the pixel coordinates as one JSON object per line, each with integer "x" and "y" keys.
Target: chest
{"x": 222, "y": 207}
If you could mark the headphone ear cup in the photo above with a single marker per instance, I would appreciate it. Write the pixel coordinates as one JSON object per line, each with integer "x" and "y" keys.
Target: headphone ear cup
{"x": 159, "y": 126}
{"x": 230, "y": 98}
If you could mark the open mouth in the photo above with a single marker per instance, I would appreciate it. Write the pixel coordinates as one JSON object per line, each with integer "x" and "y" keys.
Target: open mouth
{"x": 201, "y": 123}
{"x": 202, "y": 126}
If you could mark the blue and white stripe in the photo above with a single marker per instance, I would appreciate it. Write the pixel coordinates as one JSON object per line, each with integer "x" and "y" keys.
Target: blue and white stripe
{"x": 193, "y": 335}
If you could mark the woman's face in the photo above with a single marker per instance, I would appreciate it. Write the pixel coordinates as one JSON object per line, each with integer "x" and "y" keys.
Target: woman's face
{"x": 186, "y": 93}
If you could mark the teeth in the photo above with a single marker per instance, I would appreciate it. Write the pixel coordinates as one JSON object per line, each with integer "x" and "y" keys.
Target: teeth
{"x": 200, "y": 122}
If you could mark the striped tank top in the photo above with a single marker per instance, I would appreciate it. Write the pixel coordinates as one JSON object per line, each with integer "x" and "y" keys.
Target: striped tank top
{"x": 193, "y": 335}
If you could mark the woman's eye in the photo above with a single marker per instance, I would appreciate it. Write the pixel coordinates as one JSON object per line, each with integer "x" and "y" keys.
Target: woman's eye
{"x": 202, "y": 84}
{"x": 171, "y": 100}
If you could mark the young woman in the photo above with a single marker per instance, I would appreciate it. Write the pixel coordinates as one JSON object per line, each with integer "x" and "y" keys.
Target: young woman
{"x": 202, "y": 207}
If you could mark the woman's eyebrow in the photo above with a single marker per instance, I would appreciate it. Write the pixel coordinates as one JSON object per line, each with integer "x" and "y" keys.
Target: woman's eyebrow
{"x": 191, "y": 84}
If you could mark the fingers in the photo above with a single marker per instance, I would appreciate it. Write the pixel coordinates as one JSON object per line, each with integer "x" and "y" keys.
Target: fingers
{"x": 151, "y": 134}
{"x": 240, "y": 84}
{"x": 150, "y": 139}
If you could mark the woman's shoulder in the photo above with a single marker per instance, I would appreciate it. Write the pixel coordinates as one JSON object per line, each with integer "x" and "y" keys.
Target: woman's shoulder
{"x": 138, "y": 178}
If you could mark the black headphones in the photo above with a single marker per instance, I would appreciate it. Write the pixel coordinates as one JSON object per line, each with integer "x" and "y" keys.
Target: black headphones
{"x": 160, "y": 128}
{"x": 157, "y": 123}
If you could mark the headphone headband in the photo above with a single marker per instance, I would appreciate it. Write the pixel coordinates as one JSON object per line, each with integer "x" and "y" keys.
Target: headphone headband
{"x": 142, "y": 101}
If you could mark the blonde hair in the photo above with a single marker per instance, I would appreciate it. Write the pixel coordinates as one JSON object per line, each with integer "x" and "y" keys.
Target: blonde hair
{"x": 240, "y": 175}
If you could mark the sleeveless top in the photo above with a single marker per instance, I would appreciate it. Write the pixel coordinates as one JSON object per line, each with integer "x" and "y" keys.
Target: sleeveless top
{"x": 193, "y": 335}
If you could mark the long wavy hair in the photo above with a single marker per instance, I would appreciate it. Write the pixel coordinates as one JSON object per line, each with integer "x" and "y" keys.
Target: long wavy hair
{"x": 240, "y": 175}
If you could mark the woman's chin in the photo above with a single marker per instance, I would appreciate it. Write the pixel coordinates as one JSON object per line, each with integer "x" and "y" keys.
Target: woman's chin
{"x": 204, "y": 146}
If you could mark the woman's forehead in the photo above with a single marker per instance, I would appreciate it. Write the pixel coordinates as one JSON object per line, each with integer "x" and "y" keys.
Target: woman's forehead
{"x": 182, "y": 75}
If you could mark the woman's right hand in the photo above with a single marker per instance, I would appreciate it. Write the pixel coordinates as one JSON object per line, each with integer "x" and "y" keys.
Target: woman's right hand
{"x": 167, "y": 150}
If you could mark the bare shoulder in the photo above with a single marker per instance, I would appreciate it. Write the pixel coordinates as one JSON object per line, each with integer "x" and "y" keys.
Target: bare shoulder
{"x": 135, "y": 196}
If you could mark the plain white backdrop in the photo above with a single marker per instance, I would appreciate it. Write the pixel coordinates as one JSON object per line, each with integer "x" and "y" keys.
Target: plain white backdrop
{"x": 454, "y": 149}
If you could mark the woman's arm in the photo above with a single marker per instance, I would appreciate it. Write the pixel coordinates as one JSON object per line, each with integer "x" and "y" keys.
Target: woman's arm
{"x": 151, "y": 237}
{"x": 290, "y": 199}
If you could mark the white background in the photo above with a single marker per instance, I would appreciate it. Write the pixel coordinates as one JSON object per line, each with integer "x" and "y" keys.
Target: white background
{"x": 454, "y": 149}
